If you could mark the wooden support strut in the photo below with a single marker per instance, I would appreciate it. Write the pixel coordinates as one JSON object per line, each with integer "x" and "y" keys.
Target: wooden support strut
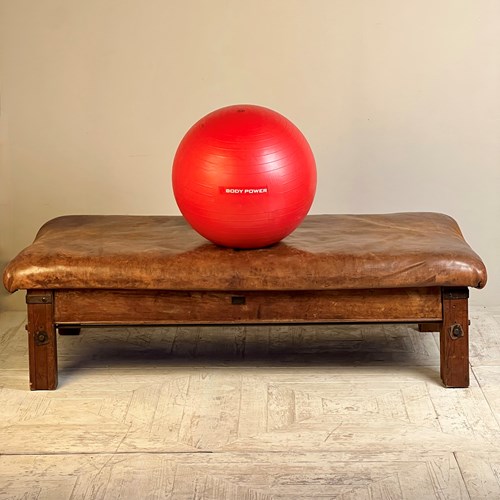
{"x": 69, "y": 330}
{"x": 42, "y": 316}
{"x": 454, "y": 338}
{"x": 42, "y": 340}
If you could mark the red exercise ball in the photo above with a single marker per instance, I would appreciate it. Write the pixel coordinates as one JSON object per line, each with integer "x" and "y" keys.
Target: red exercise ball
{"x": 244, "y": 176}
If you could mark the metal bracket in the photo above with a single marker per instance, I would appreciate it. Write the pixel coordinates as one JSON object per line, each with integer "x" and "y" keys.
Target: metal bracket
{"x": 456, "y": 331}
{"x": 41, "y": 338}
{"x": 450, "y": 293}
{"x": 39, "y": 299}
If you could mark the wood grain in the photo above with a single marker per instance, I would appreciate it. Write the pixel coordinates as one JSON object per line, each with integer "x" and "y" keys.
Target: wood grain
{"x": 455, "y": 351}
{"x": 230, "y": 476}
{"x": 42, "y": 355}
{"x": 164, "y": 307}
{"x": 481, "y": 472}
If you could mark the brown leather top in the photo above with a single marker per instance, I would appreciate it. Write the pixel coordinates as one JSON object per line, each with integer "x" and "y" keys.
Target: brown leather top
{"x": 325, "y": 252}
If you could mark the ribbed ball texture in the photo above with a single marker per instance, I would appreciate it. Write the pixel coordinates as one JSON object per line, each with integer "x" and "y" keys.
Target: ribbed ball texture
{"x": 244, "y": 176}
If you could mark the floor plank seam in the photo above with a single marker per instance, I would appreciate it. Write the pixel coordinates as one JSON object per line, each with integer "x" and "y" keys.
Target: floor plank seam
{"x": 107, "y": 453}
{"x": 461, "y": 473}
{"x": 345, "y": 419}
{"x": 495, "y": 416}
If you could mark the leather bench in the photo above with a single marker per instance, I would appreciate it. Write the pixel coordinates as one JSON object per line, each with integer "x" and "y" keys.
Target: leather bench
{"x": 151, "y": 270}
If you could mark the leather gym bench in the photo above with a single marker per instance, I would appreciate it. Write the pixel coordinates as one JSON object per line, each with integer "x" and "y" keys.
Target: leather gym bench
{"x": 155, "y": 270}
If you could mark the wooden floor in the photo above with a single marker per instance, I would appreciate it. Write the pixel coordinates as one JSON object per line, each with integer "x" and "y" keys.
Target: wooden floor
{"x": 255, "y": 413}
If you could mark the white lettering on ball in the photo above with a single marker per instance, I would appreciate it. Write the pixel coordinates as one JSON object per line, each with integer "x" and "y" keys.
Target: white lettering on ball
{"x": 244, "y": 190}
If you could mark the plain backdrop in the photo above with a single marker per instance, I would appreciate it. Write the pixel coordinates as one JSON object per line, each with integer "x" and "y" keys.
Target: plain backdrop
{"x": 399, "y": 99}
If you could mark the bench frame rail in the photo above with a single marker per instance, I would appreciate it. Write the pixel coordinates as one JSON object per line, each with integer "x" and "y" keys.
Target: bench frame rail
{"x": 443, "y": 309}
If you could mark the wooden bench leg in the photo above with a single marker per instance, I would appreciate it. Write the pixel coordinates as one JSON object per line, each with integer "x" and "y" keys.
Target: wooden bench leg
{"x": 42, "y": 340}
{"x": 454, "y": 338}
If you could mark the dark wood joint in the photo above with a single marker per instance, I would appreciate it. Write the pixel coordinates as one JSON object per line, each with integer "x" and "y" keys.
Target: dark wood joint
{"x": 238, "y": 300}
{"x": 69, "y": 330}
{"x": 434, "y": 326}
{"x": 452, "y": 293}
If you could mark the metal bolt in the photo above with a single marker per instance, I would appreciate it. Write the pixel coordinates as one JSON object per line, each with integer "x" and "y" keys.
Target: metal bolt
{"x": 41, "y": 338}
{"x": 456, "y": 332}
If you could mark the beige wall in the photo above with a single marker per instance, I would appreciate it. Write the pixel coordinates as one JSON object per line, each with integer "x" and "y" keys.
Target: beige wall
{"x": 400, "y": 101}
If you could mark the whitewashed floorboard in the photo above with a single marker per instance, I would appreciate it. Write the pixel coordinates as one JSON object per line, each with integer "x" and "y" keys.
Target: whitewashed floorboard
{"x": 484, "y": 337}
{"x": 348, "y": 412}
{"x": 232, "y": 476}
{"x": 488, "y": 378}
{"x": 481, "y": 473}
